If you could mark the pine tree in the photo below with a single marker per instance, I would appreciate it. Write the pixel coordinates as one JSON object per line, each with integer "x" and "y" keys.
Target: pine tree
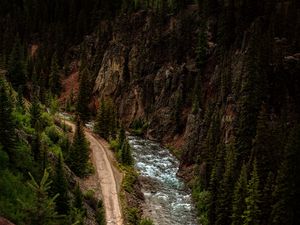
{"x": 252, "y": 213}
{"x": 286, "y": 194}
{"x": 84, "y": 96}
{"x": 121, "y": 136}
{"x": 264, "y": 148}
{"x": 78, "y": 200}
{"x": 60, "y": 187}
{"x": 79, "y": 152}
{"x": 7, "y": 133}
{"x": 126, "y": 156}
{"x": 239, "y": 197}
{"x": 42, "y": 212}
{"x": 267, "y": 199}
{"x": 215, "y": 179}
{"x": 224, "y": 207}
{"x": 103, "y": 121}
{"x": 20, "y": 101}
{"x": 54, "y": 78}
{"x": 35, "y": 113}
{"x": 17, "y": 67}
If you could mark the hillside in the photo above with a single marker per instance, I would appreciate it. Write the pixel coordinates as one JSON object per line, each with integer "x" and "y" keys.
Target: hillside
{"x": 215, "y": 81}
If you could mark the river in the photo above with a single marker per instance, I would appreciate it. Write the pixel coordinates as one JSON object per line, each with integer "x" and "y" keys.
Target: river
{"x": 167, "y": 200}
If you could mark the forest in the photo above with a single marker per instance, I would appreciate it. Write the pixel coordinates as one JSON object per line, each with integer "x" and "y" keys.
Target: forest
{"x": 216, "y": 80}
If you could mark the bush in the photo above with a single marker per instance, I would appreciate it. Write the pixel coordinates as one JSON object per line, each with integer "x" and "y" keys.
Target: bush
{"x": 54, "y": 134}
{"x": 46, "y": 120}
{"x": 133, "y": 216}
{"x": 100, "y": 213}
{"x": 146, "y": 221}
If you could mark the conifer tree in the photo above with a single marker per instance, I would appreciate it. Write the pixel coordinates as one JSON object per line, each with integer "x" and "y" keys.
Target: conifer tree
{"x": 60, "y": 187}
{"x": 78, "y": 200}
{"x": 126, "y": 157}
{"x": 104, "y": 120}
{"x": 17, "y": 66}
{"x": 42, "y": 212}
{"x": 35, "y": 113}
{"x": 267, "y": 199}
{"x": 84, "y": 95}
{"x": 7, "y": 133}
{"x": 239, "y": 197}
{"x": 215, "y": 179}
{"x": 20, "y": 101}
{"x": 224, "y": 207}
{"x": 121, "y": 136}
{"x": 285, "y": 209}
{"x": 79, "y": 152}
{"x": 252, "y": 213}
{"x": 54, "y": 78}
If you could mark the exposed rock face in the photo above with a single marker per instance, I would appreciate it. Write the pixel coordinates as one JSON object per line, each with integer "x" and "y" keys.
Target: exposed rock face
{"x": 148, "y": 71}
{"x": 4, "y": 221}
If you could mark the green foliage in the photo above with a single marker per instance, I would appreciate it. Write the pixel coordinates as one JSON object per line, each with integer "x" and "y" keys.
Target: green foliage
{"x": 133, "y": 216}
{"x": 17, "y": 66}
{"x": 130, "y": 179}
{"x": 53, "y": 133}
{"x": 125, "y": 154}
{"x": 79, "y": 152}
{"x": 202, "y": 46}
{"x": 285, "y": 209}
{"x": 60, "y": 187}
{"x": 78, "y": 198}
{"x": 54, "y": 78}
{"x": 203, "y": 199}
{"x": 3, "y": 159}
{"x": 106, "y": 121}
{"x": 224, "y": 206}
{"x": 239, "y": 197}
{"x": 13, "y": 192}
{"x": 100, "y": 214}
{"x": 253, "y": 211}
{"x": 84, "y": 95}
{"x": 7, "y": 133}
{"x": 146, "y": 221}
{"x": 35, "y": 114}
{"x": 139, "y": 126}
{"x": 42, "y": 212}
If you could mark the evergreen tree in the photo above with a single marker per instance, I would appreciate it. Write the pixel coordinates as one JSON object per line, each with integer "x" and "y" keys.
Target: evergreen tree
{"x": 60, "y": 187}
{"x": 84, "y": 96}
{"x": 286, "y": 194}
{"x": 267, "y": 199}
{"x": 78, "y": 200}
{"x": 126, "y": 156}
{"x": 79, "y": 152}
{"x": 264, "y": 148}
{"x": 7, "y": 133}
{"x": 103, "y": 121}
{"x": 54, "y": 78}
{"x": 252, "y": 213}
{"x": 42, "y": 212}
{"x": 17, "y": 66}
{"x": 20, "y": 101}
{"x": 224, "y": 207}
{"x": 202, "y": 47}
{"x": 239, "y": 197}
{"x": 121, "y": 136}
{"x": 35, "y": 114}
{"x": 215, "y": 179}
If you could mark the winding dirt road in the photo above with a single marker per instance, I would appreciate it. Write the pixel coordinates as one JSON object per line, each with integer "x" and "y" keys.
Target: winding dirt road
{"x": 101, "y": 158}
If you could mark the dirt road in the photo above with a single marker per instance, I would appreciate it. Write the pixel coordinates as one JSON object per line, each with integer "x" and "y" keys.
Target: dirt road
{"x": 102, "y": 161}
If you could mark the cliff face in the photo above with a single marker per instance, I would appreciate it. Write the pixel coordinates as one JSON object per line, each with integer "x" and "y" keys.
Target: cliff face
{"x": 149, "y": 69}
